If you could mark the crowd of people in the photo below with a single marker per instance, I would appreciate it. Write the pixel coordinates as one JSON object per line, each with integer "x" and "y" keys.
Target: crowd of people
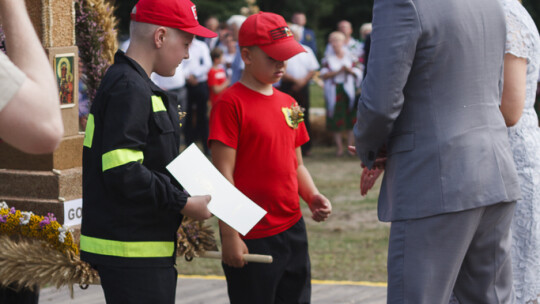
{"x": 216, "y": 64}
{"x": 445, "y": 114}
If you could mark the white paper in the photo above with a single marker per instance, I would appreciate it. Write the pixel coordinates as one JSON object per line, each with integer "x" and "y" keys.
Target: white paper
{"x": 199, "y": 177}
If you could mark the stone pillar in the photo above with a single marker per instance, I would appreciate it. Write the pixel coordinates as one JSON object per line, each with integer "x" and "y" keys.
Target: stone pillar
{"x": 42, "y": 183}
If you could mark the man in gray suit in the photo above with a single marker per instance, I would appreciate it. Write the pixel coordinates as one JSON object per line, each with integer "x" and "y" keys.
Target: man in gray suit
{"x": 431, "y": 102}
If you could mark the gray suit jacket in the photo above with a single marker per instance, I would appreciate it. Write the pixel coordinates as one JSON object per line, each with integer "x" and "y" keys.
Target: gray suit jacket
{"x": 432, "y": 97}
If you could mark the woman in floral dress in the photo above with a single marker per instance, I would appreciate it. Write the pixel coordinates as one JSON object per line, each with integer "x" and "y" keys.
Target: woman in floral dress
{"x": 522, "y": 62}
{"x": 340, "y": 77}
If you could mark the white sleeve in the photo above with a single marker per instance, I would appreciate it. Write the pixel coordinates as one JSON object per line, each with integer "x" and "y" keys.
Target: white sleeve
{"x": 518, "y": 38}
{"x": 11, "y": 80}
{"x": 313, "y": 63}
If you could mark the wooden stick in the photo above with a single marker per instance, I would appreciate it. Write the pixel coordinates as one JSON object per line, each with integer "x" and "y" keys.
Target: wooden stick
{"x": 256, "y": 258}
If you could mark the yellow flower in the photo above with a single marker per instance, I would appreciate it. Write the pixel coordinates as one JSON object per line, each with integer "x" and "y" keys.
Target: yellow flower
{"x": 30, "y": 225}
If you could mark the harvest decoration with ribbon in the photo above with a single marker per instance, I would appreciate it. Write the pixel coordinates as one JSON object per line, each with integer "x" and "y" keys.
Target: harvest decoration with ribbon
{"x": 293, "y": 115}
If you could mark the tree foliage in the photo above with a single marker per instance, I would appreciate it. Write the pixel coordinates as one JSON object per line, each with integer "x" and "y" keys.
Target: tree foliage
{"x": 322, "y": 15}
{"x": 533, "y": 7}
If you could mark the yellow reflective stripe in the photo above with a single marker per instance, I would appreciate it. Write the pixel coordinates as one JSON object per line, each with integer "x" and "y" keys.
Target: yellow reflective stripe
{"x": 126, "y": 249}
{"x": 89, "y": 133}
{"x": 157, "y": 104}
{"x": 120, "y": 157}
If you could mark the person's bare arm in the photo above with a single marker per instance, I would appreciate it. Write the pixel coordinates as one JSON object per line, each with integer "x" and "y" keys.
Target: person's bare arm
{"x": 302, "y": 82}
{"x": 233, "y": 247}
{"x": 308, "y": 78}
{"x": 218, "y": 88}
{"x": 319, "y": 205}
{"x": 330, "y": 73}
{"x": 31, "y": 121}
{"x": 513, "y": 95}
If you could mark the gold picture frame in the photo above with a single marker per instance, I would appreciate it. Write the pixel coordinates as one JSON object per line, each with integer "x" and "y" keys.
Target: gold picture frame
{"x": 65, "y": 66}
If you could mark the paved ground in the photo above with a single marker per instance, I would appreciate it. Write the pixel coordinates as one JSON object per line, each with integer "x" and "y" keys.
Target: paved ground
{"x": 212, "y": 290}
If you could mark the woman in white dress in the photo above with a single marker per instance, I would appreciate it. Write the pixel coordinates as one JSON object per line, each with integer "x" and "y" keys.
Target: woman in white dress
{"x": 340, "y": 75}
{"x": 521, "y": 65}
{"x": 521, "y": 68}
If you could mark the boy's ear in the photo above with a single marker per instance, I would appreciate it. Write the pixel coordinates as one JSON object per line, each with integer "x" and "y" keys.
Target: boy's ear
{"x": 159, "y": 36}
{"x": 246, "y": 55}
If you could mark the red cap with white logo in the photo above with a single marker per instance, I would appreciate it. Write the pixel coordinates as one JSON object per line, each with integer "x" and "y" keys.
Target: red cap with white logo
{"x": 270, "y": 32}
{"x": 180, "y": 14}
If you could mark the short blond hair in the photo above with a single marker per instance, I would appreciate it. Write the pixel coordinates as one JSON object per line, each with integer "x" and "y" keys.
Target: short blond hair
{"x": 365, "y": 29}
{"x": 336, "y": 35}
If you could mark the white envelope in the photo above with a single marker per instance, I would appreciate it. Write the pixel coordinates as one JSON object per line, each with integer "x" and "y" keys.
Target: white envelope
{"x": 199, "y": 177}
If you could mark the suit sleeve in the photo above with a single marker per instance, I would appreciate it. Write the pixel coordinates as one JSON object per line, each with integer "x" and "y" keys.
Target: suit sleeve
{"x": 396, "y": 30}
{"x": 125, "y": 121}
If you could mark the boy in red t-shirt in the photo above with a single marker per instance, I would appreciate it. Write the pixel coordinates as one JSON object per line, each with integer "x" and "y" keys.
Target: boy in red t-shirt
{"x": 255, "y": 135}
{"x": 217, "y": 78}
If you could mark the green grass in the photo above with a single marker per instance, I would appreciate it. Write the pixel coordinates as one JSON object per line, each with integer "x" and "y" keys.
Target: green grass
{"x": 316, "y": 97}
{"x": 352, "y": 244}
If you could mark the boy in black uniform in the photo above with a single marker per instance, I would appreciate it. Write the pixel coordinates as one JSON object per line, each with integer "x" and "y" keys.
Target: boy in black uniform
{"x": 132, "y": 207}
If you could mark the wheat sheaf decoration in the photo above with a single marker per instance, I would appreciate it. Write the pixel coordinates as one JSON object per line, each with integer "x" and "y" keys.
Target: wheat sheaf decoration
{"x": 194, "y": 239}
{"x": 37, "y": 250}
{"x": 96, "y": 37}
{"x": 29, "y": 262}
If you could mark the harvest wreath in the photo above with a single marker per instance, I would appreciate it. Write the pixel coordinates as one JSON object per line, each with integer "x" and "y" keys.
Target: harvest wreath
{"x": 37, "y": 250}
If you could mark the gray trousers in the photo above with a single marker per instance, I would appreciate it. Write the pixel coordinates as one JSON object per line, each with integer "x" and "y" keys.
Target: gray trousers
{"x": 466, "y": 252}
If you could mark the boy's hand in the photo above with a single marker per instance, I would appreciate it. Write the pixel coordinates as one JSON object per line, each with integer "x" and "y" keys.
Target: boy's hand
{"x": 197, "y": 207}
{"x": 192, "y": 80}
{"x": 320, "y": 208}
{"x": 233, "y": 250}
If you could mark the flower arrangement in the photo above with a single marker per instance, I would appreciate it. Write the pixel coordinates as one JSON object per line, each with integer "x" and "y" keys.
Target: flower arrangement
{"x": 37, "y": 250}
{"x": 293, "y": 115}
{"x": 45, "y": 228}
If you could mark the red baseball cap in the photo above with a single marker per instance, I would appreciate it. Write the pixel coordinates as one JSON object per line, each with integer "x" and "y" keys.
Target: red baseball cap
{"x": 179, "y": 14}
{"x": 270, "y": 32}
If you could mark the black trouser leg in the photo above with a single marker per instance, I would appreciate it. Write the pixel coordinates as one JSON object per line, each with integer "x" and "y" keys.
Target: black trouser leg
{"x": 9, "y": 294}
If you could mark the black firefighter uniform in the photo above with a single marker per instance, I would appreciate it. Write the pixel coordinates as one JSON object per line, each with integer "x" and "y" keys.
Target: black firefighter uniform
{"x": 131, "y": 204}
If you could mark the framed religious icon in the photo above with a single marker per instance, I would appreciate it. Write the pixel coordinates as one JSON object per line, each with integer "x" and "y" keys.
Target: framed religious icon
{"x": 65, "y": 66}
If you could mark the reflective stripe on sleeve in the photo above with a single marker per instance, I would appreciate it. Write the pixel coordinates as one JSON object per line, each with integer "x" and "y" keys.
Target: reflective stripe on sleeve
{"x": 89, "y": 132}
{"x": 126, "y": 249}
{"x": 157, "y": 104}
{"x": 120, "y": 157}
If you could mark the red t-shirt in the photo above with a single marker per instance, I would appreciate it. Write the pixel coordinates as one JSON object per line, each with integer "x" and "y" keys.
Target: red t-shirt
{"x": 265, "y": 170}
{"x": 215, "y": 77}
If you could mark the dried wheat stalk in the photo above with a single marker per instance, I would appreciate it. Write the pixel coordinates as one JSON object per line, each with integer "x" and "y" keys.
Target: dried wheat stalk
{"x": 195, "y": 238}
{"x": 108, "y": 24}
{"x": 27, "y": 262}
